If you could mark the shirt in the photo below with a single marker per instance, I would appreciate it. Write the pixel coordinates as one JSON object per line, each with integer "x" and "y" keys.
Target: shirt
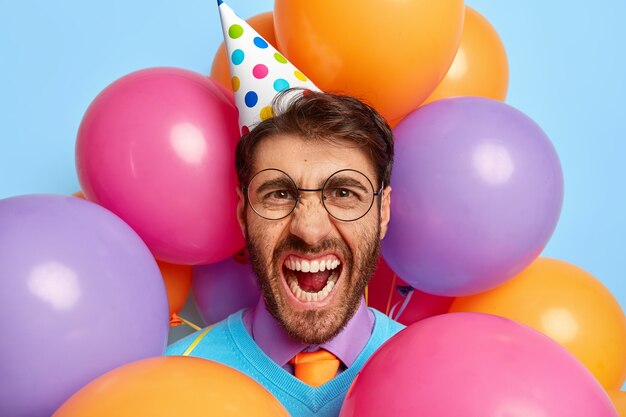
{"x": 275, "y": 343}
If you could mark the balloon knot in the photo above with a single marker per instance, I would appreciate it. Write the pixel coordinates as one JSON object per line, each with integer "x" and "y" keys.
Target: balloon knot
{"x": 241, "y": 257}
{"x": 175, "y": 320}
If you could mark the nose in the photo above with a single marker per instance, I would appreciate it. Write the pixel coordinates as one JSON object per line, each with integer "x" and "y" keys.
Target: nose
{"x": 310, "y": 220}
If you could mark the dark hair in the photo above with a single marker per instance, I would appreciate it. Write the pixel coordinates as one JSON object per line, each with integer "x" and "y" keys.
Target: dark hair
{"x": 322, "y": 116}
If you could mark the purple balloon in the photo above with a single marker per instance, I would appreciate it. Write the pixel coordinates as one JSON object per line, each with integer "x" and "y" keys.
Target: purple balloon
{"x": 223, "y": 288}
{"x": 477, "y": 193}
{"x": 80, "y": 294}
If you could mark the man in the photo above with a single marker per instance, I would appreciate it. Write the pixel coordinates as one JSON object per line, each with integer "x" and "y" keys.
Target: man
{"x": 313, "y": 205}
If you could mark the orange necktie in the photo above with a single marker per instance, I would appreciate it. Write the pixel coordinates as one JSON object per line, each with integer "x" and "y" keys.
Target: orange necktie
{"x": 315, "y": 368}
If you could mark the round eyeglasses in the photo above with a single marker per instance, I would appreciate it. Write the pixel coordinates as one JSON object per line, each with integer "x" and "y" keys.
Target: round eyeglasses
{"x": 347, "y": 195}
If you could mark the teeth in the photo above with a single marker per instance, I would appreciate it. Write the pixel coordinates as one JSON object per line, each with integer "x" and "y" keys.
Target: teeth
{"x": 298, "y": 264}
{"x": 305, "y": 296}
{"x": 311, "y": 266}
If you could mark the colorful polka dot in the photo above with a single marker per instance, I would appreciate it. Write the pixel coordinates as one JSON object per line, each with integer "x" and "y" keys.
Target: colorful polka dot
{"x": 245, "y": 130}
{"x": 266, "y": 112}
{"x": 278, "y": 57}
{"x": 299, "y": 75}
{"x": 259, "y": 71}
{"x": 260, "y": 42}
{"x": 251, "y": 99}
{"x": 235, "y": 31}
{"x": 281, "y": 85}
{"x": 237, "y": 56}
{"x": 236, "y": 82}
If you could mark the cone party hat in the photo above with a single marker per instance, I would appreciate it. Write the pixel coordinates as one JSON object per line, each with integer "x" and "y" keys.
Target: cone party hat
{"x": 258, "y": 71}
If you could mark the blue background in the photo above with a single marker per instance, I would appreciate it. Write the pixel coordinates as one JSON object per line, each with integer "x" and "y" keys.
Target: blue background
{"x": 566, "y": 72}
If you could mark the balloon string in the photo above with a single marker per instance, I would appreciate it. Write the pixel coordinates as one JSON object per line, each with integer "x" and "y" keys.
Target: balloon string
{"x": 404, "y": 304}
{"x": 393, "y": 284}
{"x": 393, "y": 309}
{"x": 190, "y": 324}
{"x": 367, "y": 301}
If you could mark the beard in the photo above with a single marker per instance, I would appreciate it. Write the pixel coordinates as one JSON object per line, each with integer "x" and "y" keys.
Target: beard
{"x": 315, "y": 325}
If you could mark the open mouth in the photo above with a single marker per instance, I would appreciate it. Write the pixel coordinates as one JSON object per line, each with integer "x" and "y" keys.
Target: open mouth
{"x": 311, "y": 280}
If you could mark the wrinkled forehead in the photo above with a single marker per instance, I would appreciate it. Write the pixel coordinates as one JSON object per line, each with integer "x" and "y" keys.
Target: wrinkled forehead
{"x": 309, "y": 162}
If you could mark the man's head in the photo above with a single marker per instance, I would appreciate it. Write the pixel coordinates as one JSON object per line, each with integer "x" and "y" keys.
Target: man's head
{"x": 314, "y": 255}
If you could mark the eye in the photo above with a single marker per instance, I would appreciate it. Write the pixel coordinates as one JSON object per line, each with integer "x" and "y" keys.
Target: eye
{"x": 280, "y": 195}
{"x": 341, "y": 193}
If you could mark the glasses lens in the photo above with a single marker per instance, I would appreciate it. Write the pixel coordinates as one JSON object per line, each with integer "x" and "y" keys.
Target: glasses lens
{"x": 348, "y": 195}
{"x": 272, "y": 194}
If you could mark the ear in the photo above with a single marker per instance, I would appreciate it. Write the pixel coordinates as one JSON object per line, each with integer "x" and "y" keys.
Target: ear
{"x": 385, "y": 211}
{"x": 241, "y": 210}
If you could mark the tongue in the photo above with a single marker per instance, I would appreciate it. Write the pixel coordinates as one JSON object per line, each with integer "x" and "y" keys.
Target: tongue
{"x": 312, "y": 282}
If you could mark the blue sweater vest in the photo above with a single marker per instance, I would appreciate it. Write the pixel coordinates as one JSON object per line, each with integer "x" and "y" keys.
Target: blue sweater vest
{"x": 229, "y": 342}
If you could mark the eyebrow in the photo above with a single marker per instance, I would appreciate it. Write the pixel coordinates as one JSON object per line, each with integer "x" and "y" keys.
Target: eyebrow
{"x": 349, "y": 182}
{"x": 275, "y": 183}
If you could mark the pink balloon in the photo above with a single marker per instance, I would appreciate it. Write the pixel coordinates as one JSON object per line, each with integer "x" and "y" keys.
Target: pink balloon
{"x": 223, "y": 288}
{"x": 157, "y": 147}
{"x": 383, "y": 286}
{"x": 407, "y": 304}
{"x": 417, "y": 305}
{"x": 474, "y": 365}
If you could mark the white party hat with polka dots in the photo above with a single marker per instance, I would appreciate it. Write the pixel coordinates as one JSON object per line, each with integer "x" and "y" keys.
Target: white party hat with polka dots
{"x": 258, "y": 71}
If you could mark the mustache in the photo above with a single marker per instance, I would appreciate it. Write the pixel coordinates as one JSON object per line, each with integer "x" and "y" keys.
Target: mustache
{"x": 295, "y": 244}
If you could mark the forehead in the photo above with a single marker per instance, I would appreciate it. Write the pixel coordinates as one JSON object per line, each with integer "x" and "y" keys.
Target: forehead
{"x": 310, "y": 160}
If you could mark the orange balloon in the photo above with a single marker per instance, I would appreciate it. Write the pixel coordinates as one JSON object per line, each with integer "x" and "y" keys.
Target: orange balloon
{"x": 391, "y": 54}
{"x": 567, "y": 304}
{"x": 177, "y": 279}
{"x": 480, "y": 67}
{"x": 172, "y": 386}
{"x": 619, "y": 402}
{"x": 79, "y": 194}
{"x": 264, "y": 24}
{"x": 394, "y": 123}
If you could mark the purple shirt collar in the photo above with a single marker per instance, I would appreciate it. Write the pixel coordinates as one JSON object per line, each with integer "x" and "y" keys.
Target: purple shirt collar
{"x": 276, "y": 344}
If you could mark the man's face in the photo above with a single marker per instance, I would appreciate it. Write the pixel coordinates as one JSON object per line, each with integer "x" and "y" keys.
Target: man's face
{"x": 313, "y": 306}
